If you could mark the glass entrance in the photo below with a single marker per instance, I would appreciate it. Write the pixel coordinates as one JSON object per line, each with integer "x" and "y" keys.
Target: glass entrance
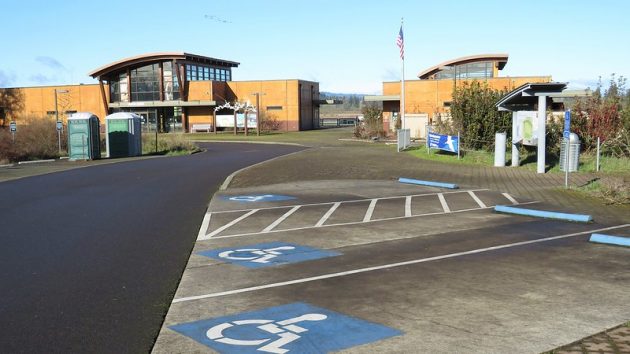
{"x": 149, "y": 119}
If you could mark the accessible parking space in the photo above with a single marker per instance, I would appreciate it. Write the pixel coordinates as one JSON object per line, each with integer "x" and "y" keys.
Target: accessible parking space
{"x": 393, "y": 269}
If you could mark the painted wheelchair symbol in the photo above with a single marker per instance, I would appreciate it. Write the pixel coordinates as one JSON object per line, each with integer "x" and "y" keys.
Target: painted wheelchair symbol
{"x": 257, "y": 255}
{"x": 286, "y": 330}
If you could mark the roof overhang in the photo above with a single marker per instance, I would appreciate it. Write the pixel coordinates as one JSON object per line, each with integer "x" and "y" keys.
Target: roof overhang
{"x": 500, "y": 58}
{"x": 381, "y": 98}
{"x": 526, "y": 96}
{"x": 150, "y": 104}
{"x": 156, "y": 57}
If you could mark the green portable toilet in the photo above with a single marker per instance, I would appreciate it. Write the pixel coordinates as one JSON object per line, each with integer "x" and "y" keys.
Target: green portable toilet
{"x": 124, "y": 134}
{"x": 84, "y": 138}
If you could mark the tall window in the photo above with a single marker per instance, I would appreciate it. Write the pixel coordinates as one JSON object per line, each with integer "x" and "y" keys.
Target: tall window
{"x": 171, "y": 85}
{"x": 145, "y": 83}
{"x": 118, "y": 90}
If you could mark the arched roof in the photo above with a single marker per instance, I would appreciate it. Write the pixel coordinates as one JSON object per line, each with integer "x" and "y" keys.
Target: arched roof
{"x": 500, "y": 58}
{"x": 156, "y": 57}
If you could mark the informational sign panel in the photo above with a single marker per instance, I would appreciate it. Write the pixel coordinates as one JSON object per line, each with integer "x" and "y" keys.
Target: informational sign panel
{"x": 227, "y": 120}
{"x": 526, "y": 128}
{"x": 59, "y": 125}
{"x": 443, "y": 142}
{"x": 293, "y": 328}
{"x": 13, "y": 127}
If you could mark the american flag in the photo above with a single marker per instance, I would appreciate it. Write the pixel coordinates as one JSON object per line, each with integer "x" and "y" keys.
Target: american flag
{"x": 401, "y": 44}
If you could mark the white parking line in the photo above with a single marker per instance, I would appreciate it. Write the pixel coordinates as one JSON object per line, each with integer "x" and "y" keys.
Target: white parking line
{"x": 509, "y": 197}
{"x": 281, "y": 219}
{"x": 362, "y": 222}
{"x": 231, "y": 223}
{"x": 328, "y": 214}
{"x": 387, "y": 266}
{"x": 443, "y": 202}
{"x": 370, "y": 210}
{"x": 479, "y": 202}
{"x": 408, "y": 206}
{"x": 349, "y": 201}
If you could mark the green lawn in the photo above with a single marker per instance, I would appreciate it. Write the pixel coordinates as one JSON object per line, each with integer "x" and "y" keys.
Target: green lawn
{"x": 528, "y": 162}
{"x": 310, "y": 137}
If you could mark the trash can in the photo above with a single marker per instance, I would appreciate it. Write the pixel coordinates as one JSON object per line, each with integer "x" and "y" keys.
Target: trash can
{"x": 124, "y": 134}
{"x": 84, "y": 137}
{"x": 574, "y": 153}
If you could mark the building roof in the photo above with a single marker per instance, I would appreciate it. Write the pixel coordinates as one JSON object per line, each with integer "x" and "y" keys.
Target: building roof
{"x": 501, "y": 58}
{"x": 154, "y": 57}
{"x": 525, "y": 96}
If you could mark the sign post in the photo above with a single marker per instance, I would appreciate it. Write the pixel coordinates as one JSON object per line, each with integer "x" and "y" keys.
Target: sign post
{"x": 13, "y": 128}
{"x": 59, "y": 129}
{"x": 566, "y": 135}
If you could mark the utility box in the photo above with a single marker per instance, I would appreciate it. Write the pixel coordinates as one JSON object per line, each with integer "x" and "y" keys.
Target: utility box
{"x": 574, "y": 153}
{"x": 84, "y": 138}
{"x": 124, "y": 134}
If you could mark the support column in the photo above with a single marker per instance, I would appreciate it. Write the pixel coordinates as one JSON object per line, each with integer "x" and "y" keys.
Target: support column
{"x": 515, "y": 156}
{"x": 542, "y": 120}
{"x": 103, "y": 97}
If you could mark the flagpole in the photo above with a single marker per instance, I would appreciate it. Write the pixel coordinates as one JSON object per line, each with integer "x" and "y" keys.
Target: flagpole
{"x": 402, "y": 88}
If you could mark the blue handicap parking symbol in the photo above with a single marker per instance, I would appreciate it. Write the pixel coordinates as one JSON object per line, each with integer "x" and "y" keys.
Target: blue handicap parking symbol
{"x": 258, "y": 198}
{"x": 268, "y": 254}
{"x": 292, "y": 328}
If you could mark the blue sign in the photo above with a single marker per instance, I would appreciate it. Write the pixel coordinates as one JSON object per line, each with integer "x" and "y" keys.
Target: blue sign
{"x": 292, "y": 328}
{"x": 268, "y": 254}
{"x": 13, "y": 127}
{"x": 443, "y": 142}
{"x": 567, "y": 124}
{"x": 258, "y": 198}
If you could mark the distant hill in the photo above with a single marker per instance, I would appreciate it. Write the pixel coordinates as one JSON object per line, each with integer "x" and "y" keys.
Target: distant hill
{"x": 352, "y": 103}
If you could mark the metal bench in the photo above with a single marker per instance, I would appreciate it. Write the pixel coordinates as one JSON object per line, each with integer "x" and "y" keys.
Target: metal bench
{"x": 201, "y": 127}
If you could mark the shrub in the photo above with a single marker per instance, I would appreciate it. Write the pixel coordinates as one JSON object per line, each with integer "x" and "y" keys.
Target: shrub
{"x": 167, "y": 143}
{"x": 33, "y": 141}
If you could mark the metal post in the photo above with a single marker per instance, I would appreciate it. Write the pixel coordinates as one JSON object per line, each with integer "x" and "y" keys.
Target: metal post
{"x": 542, "y": 120}
{"x": 59, "y": 139}
{"x": 56, "y": 108}
{"x": 458, "y": 145}
{"x": 235, "y": 122}
{"x": 567, "y": 163}
{"x": 515, "y": 154}
{"x": 156, "y": 141}
{"x": 597, "y": 162}
{"x": 258, "y": 115}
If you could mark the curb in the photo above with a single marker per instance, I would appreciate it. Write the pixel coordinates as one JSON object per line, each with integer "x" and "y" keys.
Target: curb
{"x": 611, "y": 240}
{"x": 247, "y": 142}
{"x": 428, "y": 183}
{"x": 229, "y": 178}
{"x": 543, "y": 214}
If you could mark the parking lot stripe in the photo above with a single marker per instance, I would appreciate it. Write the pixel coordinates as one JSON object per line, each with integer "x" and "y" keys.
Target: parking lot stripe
{"x": 370, "y": 210}
{"x": 479, "y": 202}
{"x": 408, "y": 206}
{"x": 348, "y": 201}
{"x": 328, "y": 214}
{"x": 391, "y": 265}
{"x": 443, "y": 202}
{"x": 361, "y": 222}
{"x": 204, "y": 226}
{"x": 230, "y": 224}
{"x": 281, "y": 219}
{"x": 509, "y": 197}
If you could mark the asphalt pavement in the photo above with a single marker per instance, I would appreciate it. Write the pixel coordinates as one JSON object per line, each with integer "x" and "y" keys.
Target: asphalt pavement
{"x": 91, "y": 257}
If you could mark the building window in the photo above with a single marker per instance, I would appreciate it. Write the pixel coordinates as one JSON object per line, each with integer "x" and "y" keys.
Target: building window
{"x": 274, "y": 108}
{"x": 145, "y": 83}
{"x": 51, "y": 113}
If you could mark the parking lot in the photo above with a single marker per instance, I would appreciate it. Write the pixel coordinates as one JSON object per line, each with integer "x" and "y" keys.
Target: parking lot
{"x": 378, "y": 266}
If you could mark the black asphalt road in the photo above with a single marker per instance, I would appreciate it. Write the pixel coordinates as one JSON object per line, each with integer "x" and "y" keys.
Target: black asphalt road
{"x": 90, "y": 258}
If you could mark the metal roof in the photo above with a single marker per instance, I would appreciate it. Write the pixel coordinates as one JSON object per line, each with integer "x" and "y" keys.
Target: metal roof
{"x": 501, "y": 58}
{"x": 155, "y": 57}
{"x": 527, "y": 95}
{"x": 381, "y": 98}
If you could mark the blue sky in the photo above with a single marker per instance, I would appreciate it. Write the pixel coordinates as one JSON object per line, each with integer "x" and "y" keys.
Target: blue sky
{"x": 346, "y": 45}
